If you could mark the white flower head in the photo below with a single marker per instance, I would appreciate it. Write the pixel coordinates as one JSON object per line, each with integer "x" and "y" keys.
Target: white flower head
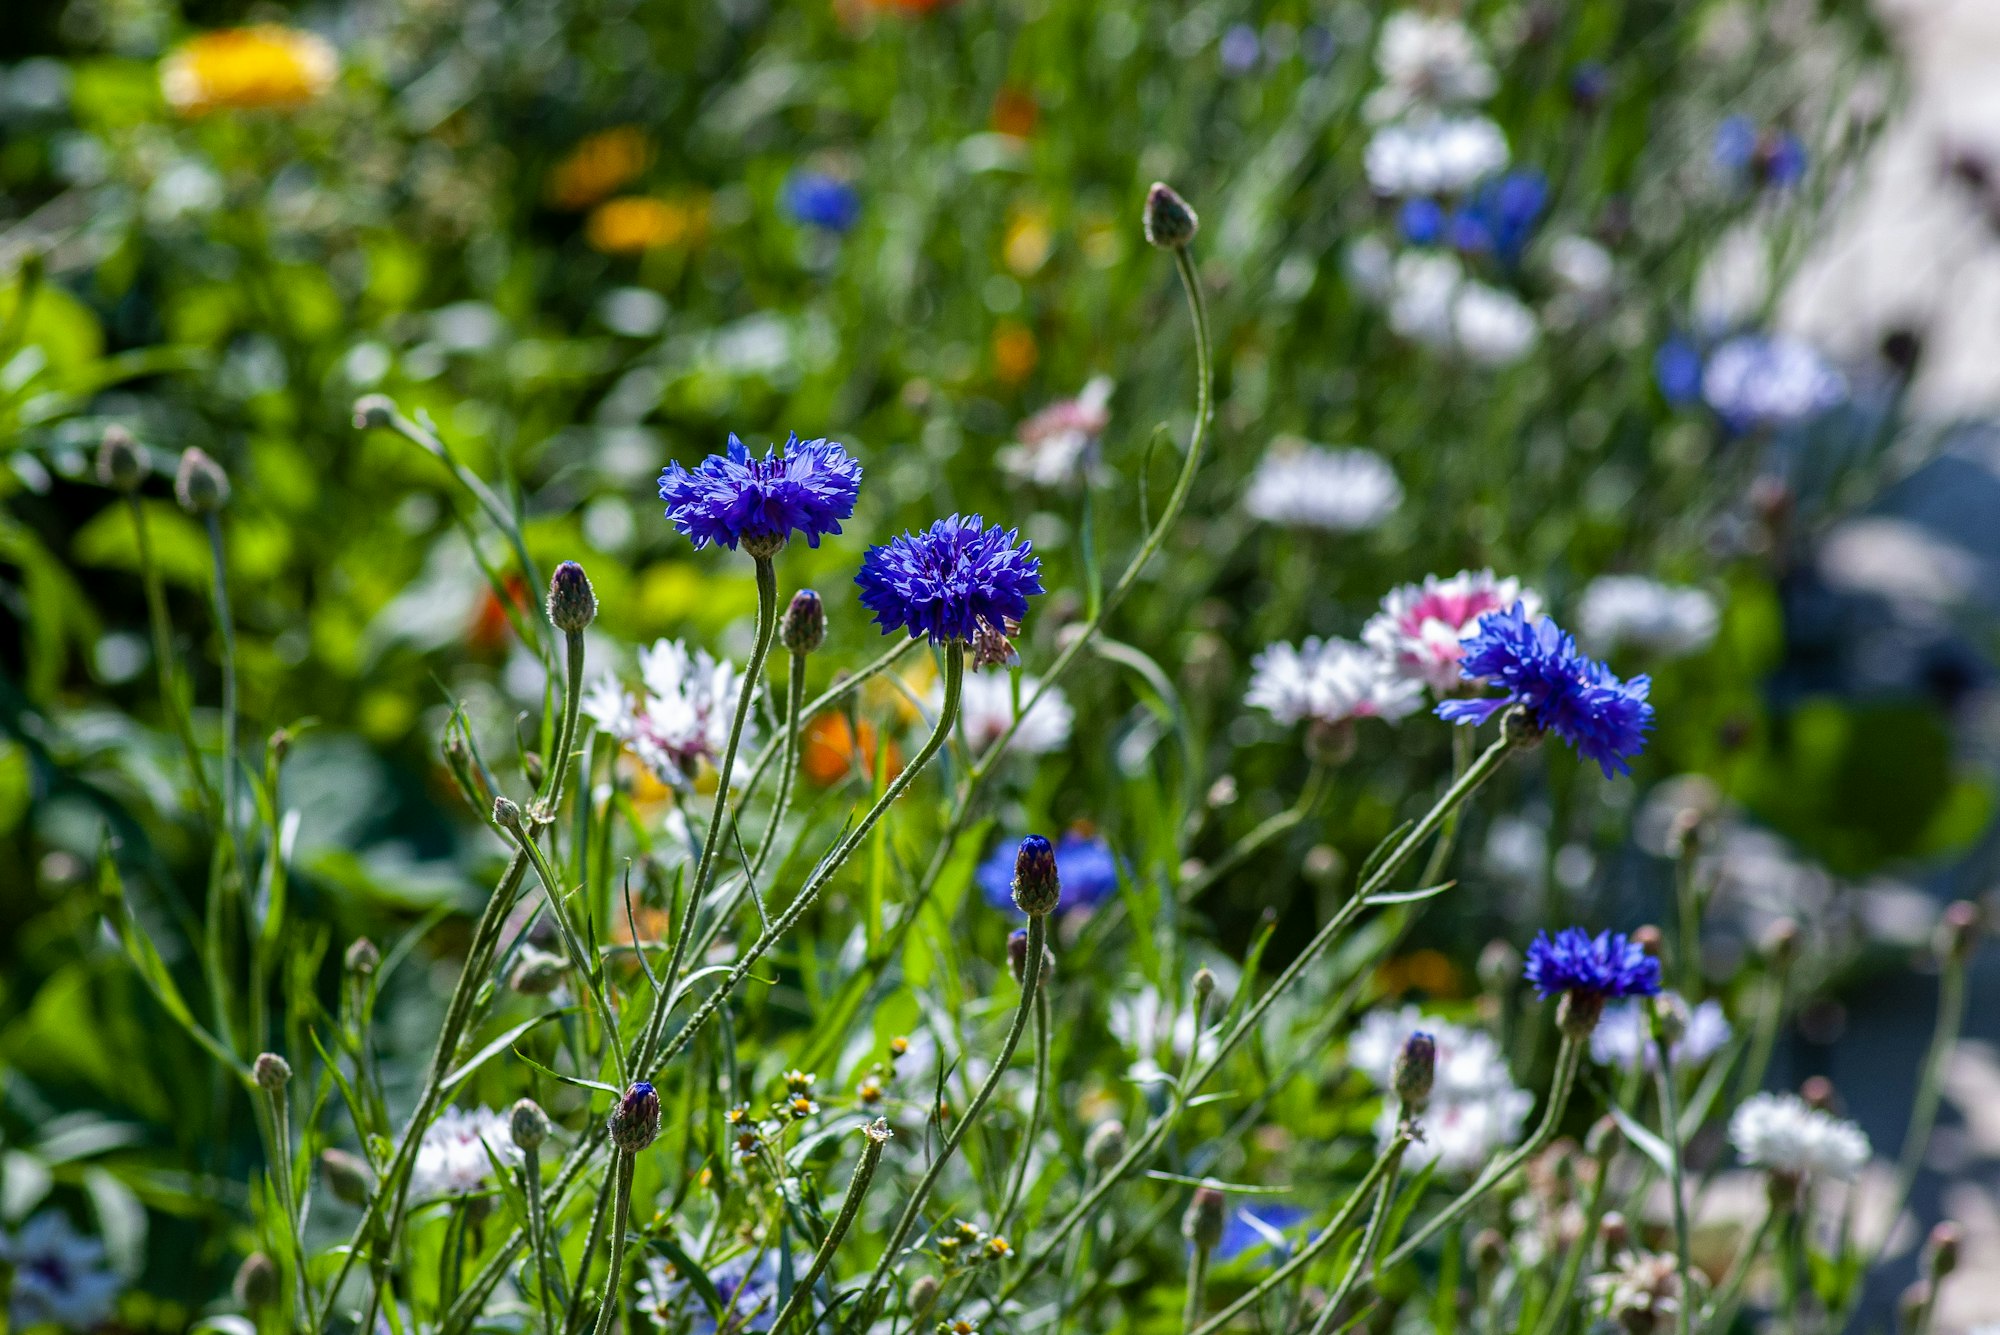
{"x": 60, "y": 1275}
{"x": 1664, "y": 619}
{"x": 1475, "y": 1108}
{"x": 1420, "y": 626}
{"x": 986, "y": 710}
{"x": 1056, "y": 447}
{"x": 1624, "y": 1037}
{"x": 1432, "y": 302}
{"x": 1784, "y": 1133}
{"x": 1428, "y": 61}
{"x": 1311, "y": 486}
{"x": 683, "y": 716}
{"x": 1756, "y": 381}
{"x": 452, "y": 1158}
{"x": 1142, "y": 1020}
{"x": 1433, "y": 155}
{"x": 1491, "y": 326}
{"x": 1329, "y": 681}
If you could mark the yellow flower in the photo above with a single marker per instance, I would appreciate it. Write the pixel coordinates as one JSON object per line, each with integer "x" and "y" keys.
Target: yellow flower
{"x": 637, "y": 223}
{"x": 238, "y": 69}
{"x": 599, "y": 165}
{"x": 1028, "y": 241}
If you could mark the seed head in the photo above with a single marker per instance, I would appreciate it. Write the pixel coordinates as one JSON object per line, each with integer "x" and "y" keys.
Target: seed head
{"x": 120, "y": 464}
{"x": 572, "y": 602}
{"x": 200, "y": 485}
{"x": 1170, "y": 224}
{"x": 804, "y": 628}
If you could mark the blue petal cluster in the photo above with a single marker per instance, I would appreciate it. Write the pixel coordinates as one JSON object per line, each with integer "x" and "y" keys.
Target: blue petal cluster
{"x": 822, "y": 201}
{"x": 737, "y": 498}
{"x": 950, "y": 580}
{"x": 1251, "y": 1227}
{"x": 1768, "y": 156}
{"x": 1086, "y": 866}
{"x": 1606, "y": 966}
{"x": 1563, "y": 690}
{"x": 1498, "y": 219}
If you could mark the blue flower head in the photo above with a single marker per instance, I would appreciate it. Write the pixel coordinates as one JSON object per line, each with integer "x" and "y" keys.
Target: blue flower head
{"x": 1677, "y": 371}
{"x": 1421, "y": 221}
{"x": 1605, "y": 967}
{"x": 819, "y": 200}
{"x": 950, "y": 580}
{"x": 1562, "y": 690}
{"x": 1499, "y": 219}
{"x": 737, "y": 498}
{"x": 1736, "y": 144}
{"x": 1085, "y": 865}
{"x": 1251, "y": 1227}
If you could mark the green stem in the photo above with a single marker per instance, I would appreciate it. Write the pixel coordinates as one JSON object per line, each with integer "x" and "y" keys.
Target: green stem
{"x": 225, "y": 626}
{"x": 876, "y": 1136}
{"x": 580, "y": 959}
{"x": 538, "y": 1233}
{"x": 164, "y": 660}
{"x": 1720, "y": 1315}
{"x": 1930, "y": 1087}
{"x": 1197, "y": 1283}
{"x": 1670, "y": 1130}
{"x": 599, "y": 1213}
{"x": 1267, "y": 830}
{"x": 1019, "y": 1179}
{"x": 552, "y": 782}
{"x": 1371, "y": 1240}
{"x": 1554, "y": 1312}
{"x": 621, "y": 1211}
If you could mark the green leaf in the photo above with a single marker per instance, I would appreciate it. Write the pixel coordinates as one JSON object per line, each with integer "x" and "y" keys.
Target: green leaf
{"x": 1387, "y": 897}
{"x": 1647, "y": 1143}
{"x": 696, "y": 1277}
{"x": 499, "y": 1045}
{"x": 612, "y": 1090}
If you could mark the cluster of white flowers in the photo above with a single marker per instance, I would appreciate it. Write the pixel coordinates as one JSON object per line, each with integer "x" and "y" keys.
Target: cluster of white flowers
{"x": 1631, "y": 610}
{"x": 453, "y": 1158}
{"x": 1434, "y": 155}
{"x": 1310, "y": 486}
{"x": 1624, "y": 1038}
{"x": 1432, "y": 69}
{"x": 1055, "y": 447}
{"x": 986, "y": 710}
{"x": 683, "y": 716}
{"x": 1433, "y": 301}
{"x": 1784, "y": 1133}
{"x": 1420, "y": 626}
{"x": 1427, "y": 60}
{"x": 1329, "y": 681}
{"x": 1475, "y": 1108}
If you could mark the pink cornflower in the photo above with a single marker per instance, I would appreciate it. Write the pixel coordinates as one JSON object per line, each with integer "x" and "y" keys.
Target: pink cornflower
{"x": 1420, "y": 626}
{"x": 1057, "y": 445}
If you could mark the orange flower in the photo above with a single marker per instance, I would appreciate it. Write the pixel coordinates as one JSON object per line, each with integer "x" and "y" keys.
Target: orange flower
{"x": 1419, "y": 971}
{"x": 1014, "y": 352}
{"x": 599, "y": 165}
{"x": 239, "y": 69}
{"x": 832, "y": 754}
{"x": 1028, "y": 241}
{"x": 1015, "y": 112}
{"x": 635, "y": 224}
{"x": 489, "y": 627}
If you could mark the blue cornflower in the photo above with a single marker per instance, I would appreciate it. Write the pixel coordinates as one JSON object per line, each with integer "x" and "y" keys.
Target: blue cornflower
{"x": 1251, "y": 1227}
{"x": 1677, "y": 370}
{"x": 951, "y": 580}
{"x": 1769, "y": 156}
{"x": 1421, "y": 220}
{"x": 819, "y": 200}
{"x": 1735, "y": 147}
{"x": 1562, "y": 690}
{"x": 1241, "y": 49}
{"x": 1085, "y": 865}
{"x": 1590, "y": 84}
{"x": 736, "y": 498}
{"x": 1606, "y": 967}
{"x": 1500, "y": 218}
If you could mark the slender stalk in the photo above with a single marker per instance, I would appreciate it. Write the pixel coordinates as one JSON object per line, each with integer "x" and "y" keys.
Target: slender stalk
{"x": 1371, "y": 1239}
{"x": 876, "y": 1136}
{"x": 600, "y": 1212}
{"x": 1031, "y": 976}
{"x": 579, "y": 955}
{"x": 538, "y": 1233}
{"x": 164, "y": 658}
{"x": 1020, "y": 1176}
{"x": 1670, "y": 1131}
{"x": 1554, "y": 1309}
{"x": 552, "y": 782}
{"x": 621, "y": 1211}
{"x": 1930, "y": 1086}
{"x": 795, "y": 697}
{"x": 1267, "y": 830}
{"x": 1197, "y": 1284}
{"x": 1720, "y": 1314}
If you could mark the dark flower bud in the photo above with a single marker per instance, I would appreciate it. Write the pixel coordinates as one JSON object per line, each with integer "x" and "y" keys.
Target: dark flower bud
{"x": 1017, "y": 957}
{"x": 1958, "y": 930}
{"x": 271, "y": 1071}
{"x": 528, "y": 1124}
{"x": 120, "y": 465}
{"x": 1941, "y": 1250}
{"x": 1037, "y": 887}
{"x": 347, "y": 1176}
{"x": 363, "y": 958}
{"x": 536, "y": 973}
{"x": 1649, "y": 939}
{"x": 1416, "y": 1068}
{"x": 923, "y": 1294}
{"x": 1819, "y": 1093}
{"x": 1204, "y": 984}
{"x": 373, "y": 410}
{"x": 1105, "y": 1145}
{"x": 200, "y": 485}
{"x": 534, "y": 769}
{"x": 804, "y": 628}
{"x": 1615, "y": 1231}
{"x": 507, "y": 814}
{"x": 1202, "y": 1224}
{"x": 256, "y": 1284}
{"x": 572, "y": 602}
{"x": 1170, "y": 224}
{"x": 636, "y": 1120}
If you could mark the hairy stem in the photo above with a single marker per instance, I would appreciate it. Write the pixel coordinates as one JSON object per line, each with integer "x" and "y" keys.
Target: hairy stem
{"x": 875, "y": 1137}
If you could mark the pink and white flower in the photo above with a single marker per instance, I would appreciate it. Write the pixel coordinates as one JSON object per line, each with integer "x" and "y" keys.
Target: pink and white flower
{"x": 1056, "y": 446}
{"x": 680, "y": 719}
{"x": 1420, "y": 626}
{"x": 1329, "y": 681}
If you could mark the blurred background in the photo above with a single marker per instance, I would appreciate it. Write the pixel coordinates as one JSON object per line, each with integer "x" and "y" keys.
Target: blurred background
{"x": 1687, "y": 316}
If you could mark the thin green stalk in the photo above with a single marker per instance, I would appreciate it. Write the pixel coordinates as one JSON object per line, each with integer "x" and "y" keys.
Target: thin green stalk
{"x": 1197, "y": 1284}
{"x": 621, "y": 1212}
{"x": 600, "y": 1212}
{"x": 1720, "y": 1314}
{"x": 164, "y": 659}
{"x": 580, "y": 958}
{"x": 1371, "y": 1240}
{"x": 1270, "y": 828}
{"x": 1019, "y": 1180}
{"x": 552, "y": 781}
{"x": 1554, "y": 1311}
{"x": 1930, "y": 1086}
{"x": 875, "y": 1137}
{"x": 225, "y": 626}
{"x": 788, "y": 765}
{"x": 1670, "y": 1131}
{"x": 1031, "y": 977}
{"x": 538, "y": 1233}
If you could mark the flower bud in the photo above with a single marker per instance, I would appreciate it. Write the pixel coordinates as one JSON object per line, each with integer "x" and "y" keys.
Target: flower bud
{"x": 256, "y": 1284}
{"x": 1105, "y": 1145}
{"x": 1202, "y": 1224}
{"x": 572, "y": 602}
{"x": 636, "y": 1120}
{"x": 271, "y": 1071}
{"x": 1037, "y": 887}
{"x": 923, "y": 1295}
{"x": 347, "y": 1176}
{"x": 1669, "y": 1015}
{"x": 200, "y": 485}
{"x": 1941, "y": 1250}
{"x": 363, "y": 958}
{"x": 1958, "y": 930}
{"x": 1204, "y": 985}
{"x": 1913, "y": 1307}
{"x": 1170, "y": 224}
{"x": 1615, "y": 1232}
{"x": 1416, "y": 1068}
{"x": 536, "y": 972}
{"x": 1017, "y": 958}
{"x": 1604, "y": 1137}
{"x": 1650, "y": 939}
{"x": 1819, "y": 1093}
{"x": 373, "y": 410}
{"x": 507, "y": 814}
{"x": 120, "y": 465}
{"x": 528, "y": 1124}
{"x": 804, "y": 628}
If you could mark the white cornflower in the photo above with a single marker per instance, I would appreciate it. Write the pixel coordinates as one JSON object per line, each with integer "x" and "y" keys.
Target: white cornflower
{"x": 680, "y": 720}
{"x": 1055, "y": 447}
{"x": 1422, "y": 290}
{"x": 1754, "y": 381}
{"x": 60, "y": 1277}
{"x": 1433, "y": 155}
{"x": 1665, "y": 619}
{"x": 986, "y": 710}
{"x": 1491, "y": 326}
{"x": 1420, "y": 625}
{"x": 1581, "y": 265}
{"x": 1784, "y": 1133}
{"x": 1432, "y": 302}
{"x": 1624, "y": 1038}
{"x": 452, "y": 1158}
{"x": 1475, "y": 1108}
{"x": 1427, "y": 61}
{"x": 1329, "y": 681}
{"x": 1311, "y": 486}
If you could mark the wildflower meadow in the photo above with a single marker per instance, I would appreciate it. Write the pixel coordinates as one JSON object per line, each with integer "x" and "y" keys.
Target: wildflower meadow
{"x": 890, "y": 667}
